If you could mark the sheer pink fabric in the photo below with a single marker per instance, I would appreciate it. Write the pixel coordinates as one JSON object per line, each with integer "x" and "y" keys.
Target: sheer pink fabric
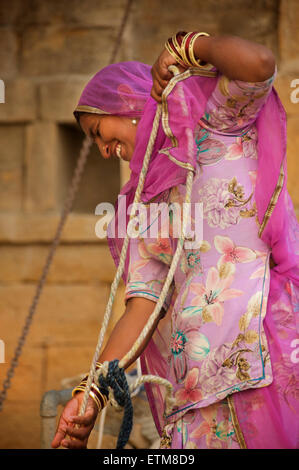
{"x": 268, "y": 417}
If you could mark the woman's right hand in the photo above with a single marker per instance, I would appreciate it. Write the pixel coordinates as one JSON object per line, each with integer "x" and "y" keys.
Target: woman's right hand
{"x": 161, "y": 75}
{"x": 69, "y": 418}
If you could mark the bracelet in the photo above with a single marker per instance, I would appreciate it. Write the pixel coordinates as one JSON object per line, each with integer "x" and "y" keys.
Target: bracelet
{"x": 194, "y": 61}
{"x": 181, "y": 46}
{"x": 173, "y": 51}
{"x": 98, "y": 395}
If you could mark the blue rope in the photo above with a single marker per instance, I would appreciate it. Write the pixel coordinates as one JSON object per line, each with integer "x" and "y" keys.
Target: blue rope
{"x": 116, "y": 379}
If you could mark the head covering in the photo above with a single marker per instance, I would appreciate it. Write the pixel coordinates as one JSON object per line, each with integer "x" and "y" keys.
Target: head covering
{"x": 119, "y": 89}
{"x": 124, "y": 89}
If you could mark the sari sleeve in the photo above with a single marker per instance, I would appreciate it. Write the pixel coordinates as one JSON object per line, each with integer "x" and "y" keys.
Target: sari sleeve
{"x": 234, "y": 105}
{"x": 148, "y": 269}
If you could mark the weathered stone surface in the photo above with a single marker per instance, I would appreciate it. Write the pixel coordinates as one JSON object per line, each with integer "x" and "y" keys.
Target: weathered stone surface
{"x": 53, "y": 50}
{"x": 11, "y": 167}
{"x": 66, "y": 361}
{"x": 11, "y": 185}
{"x": 8, "y": 53}
{"x": 137, "y": 440}
{"x": 288, "y": 93}
{"x": 42, "y": 167}
{"x": 20, "y": 425}
{"x": 9, "y": 13}
{"x": 12, "y": 145}
{"x": 289, "y": 35}
{"x": 39, "y": 227}
{"x": 59, "y": 98}
{"x": 20, "y": 101}
{"x": 232, "y": 17}
{"x": 27, "y": 383}
{"x": 71, "y": 263}
{"x": 66, "y": 313}
{"x": 48, "y": 52}
{"x": 94, "y": 13}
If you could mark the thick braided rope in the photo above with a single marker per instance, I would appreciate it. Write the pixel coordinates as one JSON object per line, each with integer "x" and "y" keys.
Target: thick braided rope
{"x": 114, "y": 382}
{"x": 122, "y": 260}
{"x": 159, "y": 304}
{"x": 154, "y": 316}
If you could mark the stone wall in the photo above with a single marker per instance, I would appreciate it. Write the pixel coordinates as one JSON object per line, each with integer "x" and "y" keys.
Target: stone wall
{"x": 49, "y": 49}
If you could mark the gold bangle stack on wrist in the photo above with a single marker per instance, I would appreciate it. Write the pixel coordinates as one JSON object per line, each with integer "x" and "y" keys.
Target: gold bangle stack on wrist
{"x": 98, "y": 396}
{"x": 181, "y": 47}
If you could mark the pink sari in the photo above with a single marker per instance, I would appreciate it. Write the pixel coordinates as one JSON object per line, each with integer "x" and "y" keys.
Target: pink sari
{"x": 265, "y": 417}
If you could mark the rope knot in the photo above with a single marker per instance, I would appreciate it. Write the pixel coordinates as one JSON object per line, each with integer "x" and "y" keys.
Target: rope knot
{"x": 114, "y": 382}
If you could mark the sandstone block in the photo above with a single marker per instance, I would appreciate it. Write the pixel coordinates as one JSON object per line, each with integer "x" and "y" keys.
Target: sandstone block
{"x": 230, "y": 17}
{"x": 71, "y": 263}
{"x": 54, "y": 50}
{"x": 27, "y": 382}
{"x": 58, "y": 99}
{"x": 65, "y": 313}
{"x": 42, "y": 167}
{"x": 20, "y": 425}
{"x": 289, "y": 35}
{"x": 11, "y": 189}
{"x": 20, "y": 102}
{"x": 39, "y": 227}
{"x": 10, "y": 12}
{"x": 64, "y": 362}
{"x": 105, "y": 13}
{"x": 288, "y": 93}
{"x": 12, "y": 139}
{"x": 11, "y": 167}
{"x": 137, "y": 440}
{"x": 8, "y": 53}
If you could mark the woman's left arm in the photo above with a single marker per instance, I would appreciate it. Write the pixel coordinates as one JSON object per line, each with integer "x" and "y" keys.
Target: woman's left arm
{"x": 236, "y": 58}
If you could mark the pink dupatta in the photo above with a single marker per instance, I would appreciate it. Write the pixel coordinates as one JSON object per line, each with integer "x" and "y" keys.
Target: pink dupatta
{"x": 265, "y": 417}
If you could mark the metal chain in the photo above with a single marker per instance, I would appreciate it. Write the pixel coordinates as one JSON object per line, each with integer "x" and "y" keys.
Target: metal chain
{"x": 65, "y": 212}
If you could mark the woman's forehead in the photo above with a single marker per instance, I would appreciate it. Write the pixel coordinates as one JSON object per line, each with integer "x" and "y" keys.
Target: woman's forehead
{"x": 90, "y": 118}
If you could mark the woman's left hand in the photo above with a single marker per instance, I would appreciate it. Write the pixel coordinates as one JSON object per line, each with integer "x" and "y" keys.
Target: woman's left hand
{"x": 161, "y": 74}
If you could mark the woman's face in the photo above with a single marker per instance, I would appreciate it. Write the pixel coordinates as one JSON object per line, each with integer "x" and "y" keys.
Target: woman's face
{"x": 114, "y": 135}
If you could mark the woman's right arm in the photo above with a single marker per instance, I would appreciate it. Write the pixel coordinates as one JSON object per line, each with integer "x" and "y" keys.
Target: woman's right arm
{"x": 125, "y": 333}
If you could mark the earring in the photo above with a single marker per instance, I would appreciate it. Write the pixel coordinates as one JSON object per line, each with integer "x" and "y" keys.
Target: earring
{"x": 134, "y": 121}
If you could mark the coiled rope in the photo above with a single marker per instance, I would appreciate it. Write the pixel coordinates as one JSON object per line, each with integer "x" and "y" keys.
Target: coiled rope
{"x": 111, "y": 374}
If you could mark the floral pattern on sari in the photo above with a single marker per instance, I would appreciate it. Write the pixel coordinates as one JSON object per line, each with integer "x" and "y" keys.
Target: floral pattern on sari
{"x": 217, "y": 344}
{"x": 205, "y": 428}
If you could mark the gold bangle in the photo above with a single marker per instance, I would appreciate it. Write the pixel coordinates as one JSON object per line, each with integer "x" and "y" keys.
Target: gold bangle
{"x": 77, "y": 389}
{"x": 183, "y": 49}
{"x": 196, "y": 62}
{"x": 174, "y": 55}
{"x": 100, "y": 399}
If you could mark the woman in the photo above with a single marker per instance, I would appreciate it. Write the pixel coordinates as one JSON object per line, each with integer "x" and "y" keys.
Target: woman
{"x": 230, "y": 363}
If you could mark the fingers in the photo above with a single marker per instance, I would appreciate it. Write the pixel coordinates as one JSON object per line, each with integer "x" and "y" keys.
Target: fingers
{"x": 74, "y": 444}
{"x": 86, "y": 420}
{"x": 60, "y": 434}
{"x": 78, "y": 436}
{"x": 81, "y": 433}
{"x": 162, "y": 81}
{"x": 157, "y": 95}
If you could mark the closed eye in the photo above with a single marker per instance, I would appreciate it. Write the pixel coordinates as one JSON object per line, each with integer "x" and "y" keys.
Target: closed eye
{"x": 95, "y": 134}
